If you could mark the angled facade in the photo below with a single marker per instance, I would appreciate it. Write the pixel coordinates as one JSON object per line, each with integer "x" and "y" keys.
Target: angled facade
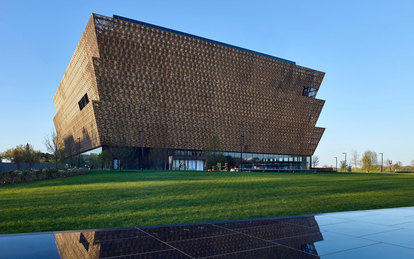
{"x": 154, "y": 97}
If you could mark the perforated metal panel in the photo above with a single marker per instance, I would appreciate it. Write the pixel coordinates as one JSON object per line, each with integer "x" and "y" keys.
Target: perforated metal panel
{"x": 183, "y": 88}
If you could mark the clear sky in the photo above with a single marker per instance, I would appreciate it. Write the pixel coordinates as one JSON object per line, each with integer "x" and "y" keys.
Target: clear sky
{"x": 366, "y": 49}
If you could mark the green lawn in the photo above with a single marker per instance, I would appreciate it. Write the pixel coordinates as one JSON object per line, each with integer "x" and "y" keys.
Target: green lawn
{"x": 105, "y": 199}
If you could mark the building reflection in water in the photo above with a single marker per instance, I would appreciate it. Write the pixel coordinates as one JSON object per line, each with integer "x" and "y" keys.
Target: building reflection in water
{"x": 292, "y": 237}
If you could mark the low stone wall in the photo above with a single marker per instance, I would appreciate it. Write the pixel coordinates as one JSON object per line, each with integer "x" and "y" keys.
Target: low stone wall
{"x": 31, "y": 175}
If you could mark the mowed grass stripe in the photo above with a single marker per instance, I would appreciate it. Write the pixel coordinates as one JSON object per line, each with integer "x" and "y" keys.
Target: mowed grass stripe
{"x": 104, "y": 199}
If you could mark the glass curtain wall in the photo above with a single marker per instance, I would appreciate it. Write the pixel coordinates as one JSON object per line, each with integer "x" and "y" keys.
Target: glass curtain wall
{"x": 258, "y": 161}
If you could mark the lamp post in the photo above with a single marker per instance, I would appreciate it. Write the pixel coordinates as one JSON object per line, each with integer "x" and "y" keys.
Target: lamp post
{"x": 141, "y": 132}
{"x": 241, "y": 152}
{"x": 382, "y": 157}
{"x": 336, "y": 163}
{"x": 78, "y": 152}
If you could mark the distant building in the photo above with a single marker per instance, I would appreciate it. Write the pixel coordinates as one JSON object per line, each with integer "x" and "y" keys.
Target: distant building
{"x": 154, "y": 97}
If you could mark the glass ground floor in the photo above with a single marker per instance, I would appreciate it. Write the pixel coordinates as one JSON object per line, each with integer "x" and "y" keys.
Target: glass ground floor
{"x": 263, "y": 162}
{"x": 172, "y": 159}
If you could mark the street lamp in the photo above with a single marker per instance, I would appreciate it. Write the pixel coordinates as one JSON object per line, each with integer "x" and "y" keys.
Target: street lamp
{"x": 78, "y": 152}
{"x": 382, "y": 157}
{"x": 336, "y": 163}
{"x": 241, "y": 152}
{"x": 141, "y": 132}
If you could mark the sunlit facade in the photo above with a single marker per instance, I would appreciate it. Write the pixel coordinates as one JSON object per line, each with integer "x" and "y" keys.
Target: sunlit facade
{"x": 153, "y": 97}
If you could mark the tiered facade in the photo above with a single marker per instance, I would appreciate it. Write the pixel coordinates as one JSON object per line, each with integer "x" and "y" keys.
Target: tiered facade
{"x": 134, "y": 84}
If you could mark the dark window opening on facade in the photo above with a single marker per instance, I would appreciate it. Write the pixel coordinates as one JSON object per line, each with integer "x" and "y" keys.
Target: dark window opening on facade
{"x": 83, "y": 102}
{"x": 309, "y": 91}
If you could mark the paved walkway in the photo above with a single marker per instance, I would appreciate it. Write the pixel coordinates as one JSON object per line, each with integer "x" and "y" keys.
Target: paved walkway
{"x": 384, "y": 233}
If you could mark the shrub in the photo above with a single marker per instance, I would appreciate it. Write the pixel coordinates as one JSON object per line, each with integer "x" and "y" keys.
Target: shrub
{"x": 50, "y": 172}
{"x": 41, "y": 175}
{"x": 6, "y": 178}
{"x": 25, "y": 176}
{"x": 20, "y": 176}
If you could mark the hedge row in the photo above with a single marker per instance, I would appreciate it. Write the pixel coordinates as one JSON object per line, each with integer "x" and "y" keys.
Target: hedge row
{"x": 31, "y": 175}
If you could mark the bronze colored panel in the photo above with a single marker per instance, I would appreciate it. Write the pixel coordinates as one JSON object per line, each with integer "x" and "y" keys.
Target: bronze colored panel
{"x": 184, "y": 89}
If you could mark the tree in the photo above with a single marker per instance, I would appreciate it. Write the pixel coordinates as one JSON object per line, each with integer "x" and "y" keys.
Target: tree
{"x": 343, "y": 165}
{"x": 30, "y": 156}
{"x": 354, "y": 158}
{"x": 398, "y": 165}
{"x": 54, "y": 146}
{"x": 369, "y": 159}
{"x": 412, "y": 162}
{"x": 15, "y": 155}
{"x": 46, "y": 158}
{"x": 389, "y": 163}
{"x": 315, "y": 161}
{"x": 104, "y": 159}
{"x": 22, "y": 154}
{"x": 213, "y": 152}
{"x": 69, "y": 150}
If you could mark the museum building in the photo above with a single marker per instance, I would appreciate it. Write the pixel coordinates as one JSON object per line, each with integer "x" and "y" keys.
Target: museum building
{"x": 154, "y": 97}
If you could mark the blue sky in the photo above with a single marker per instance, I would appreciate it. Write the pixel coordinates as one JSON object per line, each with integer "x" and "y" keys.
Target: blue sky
{"x": 366, "y": 49}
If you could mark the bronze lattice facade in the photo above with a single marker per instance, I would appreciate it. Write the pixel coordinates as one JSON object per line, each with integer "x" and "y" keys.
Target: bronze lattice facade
{"x": 135, "y": 84}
